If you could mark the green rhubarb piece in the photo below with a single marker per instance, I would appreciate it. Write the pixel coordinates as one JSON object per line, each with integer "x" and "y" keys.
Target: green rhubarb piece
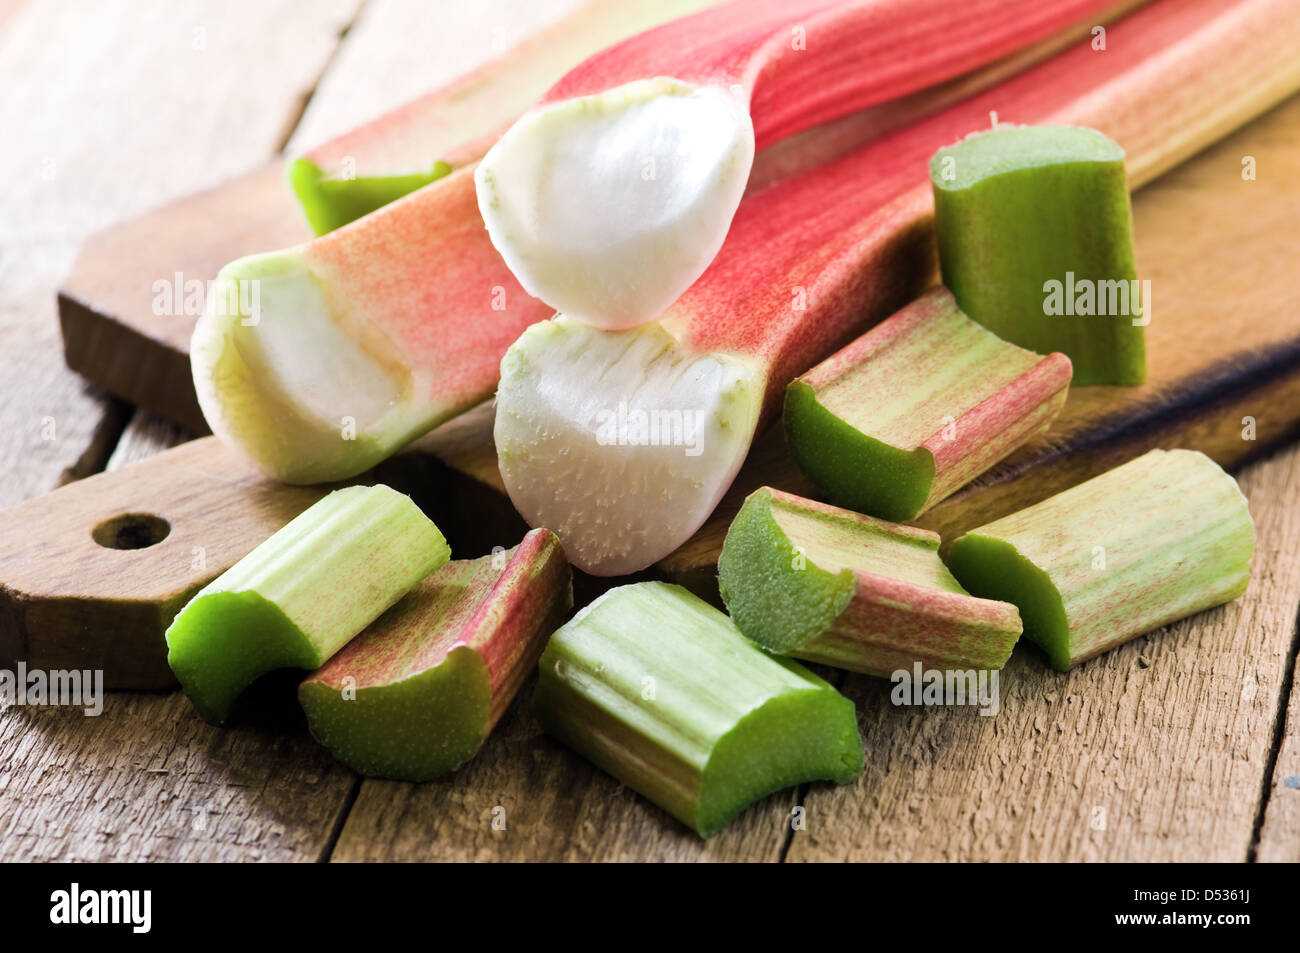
{"x": 300, "y": 596}
{"x": 331, "y": 203}
{"x": 822, "y": 584}
{"x": 1157, "y": 539}
{"x": 1035, "y": 239}
{"x": 918, "y": 407}
{"x": 415, "y": 695}
{"x": 658, "y": 688}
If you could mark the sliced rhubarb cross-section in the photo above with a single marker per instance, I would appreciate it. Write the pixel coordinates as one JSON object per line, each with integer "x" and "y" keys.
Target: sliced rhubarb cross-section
{"x": 916, "y": 408}
{"x": 415, "y": 695}
{"x": 823, "y": 584}
{"x": 657, "y": 687}
{"x": 301, "y": 595}
{"x": 1024, "y": 216}
{"x": 613, "y": 195}
{"x": 1145, "y": 544}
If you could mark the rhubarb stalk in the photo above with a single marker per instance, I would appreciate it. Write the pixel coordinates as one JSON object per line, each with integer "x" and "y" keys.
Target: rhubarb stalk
{"x": 826, "y": 585}
{"x": 813, "y": 261}
{"x": 658, "y": 688}
{"x": 916, "y": 408}
{"x": 416, "y": 694}
{"x": 613, "y": 195}
{"x": 319, "y": 361}
{"x": 362, "y": 170}
{"x": 1157, "y": 539}
{"x": 1023, "y": 216}
{"x": 300, "y": 596}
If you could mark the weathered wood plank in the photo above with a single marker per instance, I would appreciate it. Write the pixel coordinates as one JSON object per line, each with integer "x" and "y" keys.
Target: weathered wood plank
{"x": 1279, "y": 835}
{"x": 96, "y": 134}
{"x": 400, "y": 49}
{"x": 110, "y": 108}
{"x": 1279, "y": 838}
{"x": 1155, "y": 751}
{"x": 148, "y": 780}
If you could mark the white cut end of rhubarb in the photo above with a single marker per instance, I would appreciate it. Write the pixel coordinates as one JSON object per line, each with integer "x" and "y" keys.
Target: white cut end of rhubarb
{"x": 620, "y": 442}
{"x": 284, "y": 376}
{"x": 608, "y": 207}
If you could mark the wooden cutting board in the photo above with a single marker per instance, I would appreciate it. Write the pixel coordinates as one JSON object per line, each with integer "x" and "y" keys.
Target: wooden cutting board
{"x": 1224, "y": 377}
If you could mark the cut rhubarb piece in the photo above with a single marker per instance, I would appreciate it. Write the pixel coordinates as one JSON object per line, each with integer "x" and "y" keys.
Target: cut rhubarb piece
{"x": 331, "y": 203}
{"x": 813, "y": 261}
{"x": 611, "y": 197}
{"x": 918, "y": 407}
{"x": 1025, "y": 215}
{"x": 822, "y": 584}
{"x": 417, "y": 693}
{"x": 360, "y": 171}
{"x": 1157, "y": 539}
{"x": 657, "y": 687}
{"x": 320, "y": 361}
{"x": 300, "y": 596}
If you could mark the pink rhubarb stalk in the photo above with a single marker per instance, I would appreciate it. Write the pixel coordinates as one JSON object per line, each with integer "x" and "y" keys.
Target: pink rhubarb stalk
{"x": 415, "y": 695}
{"x": 623, "y": 442}
{"x": 353, "y": 174}
{"x": 918, "y": 407}
{"x": 827, "y": 585}
{"x": 319, "y": 361}
{"x": 613, "y": 195}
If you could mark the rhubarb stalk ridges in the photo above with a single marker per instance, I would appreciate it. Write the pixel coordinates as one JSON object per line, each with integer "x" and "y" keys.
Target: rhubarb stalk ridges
{"x": 918, "y": 407}
{"x": 826, "y": 585}
{"x": 415, "y": 695}
{"x": 1157, "y": 539}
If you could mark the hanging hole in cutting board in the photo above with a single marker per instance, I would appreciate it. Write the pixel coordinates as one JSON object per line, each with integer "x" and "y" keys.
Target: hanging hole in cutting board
{"x": 131, "y": 531}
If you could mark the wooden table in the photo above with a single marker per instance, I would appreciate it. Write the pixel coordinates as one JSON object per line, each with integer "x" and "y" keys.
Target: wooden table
{"x": 1182, "y": 745}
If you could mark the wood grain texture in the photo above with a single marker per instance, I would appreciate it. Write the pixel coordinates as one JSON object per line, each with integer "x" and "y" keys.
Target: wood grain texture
{"x": 110, "y": 108}
{"x": 1154, "y": 751}
{"x": 145, "y": 435}
{"x": 75, "y": 595}
{"x": 94, "y": 134}
{"x": 148, "y": 780}
{"x": 1279, "y": 834}
{"x": 400, "y": 49}
{"x": 1279, "y": 840}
